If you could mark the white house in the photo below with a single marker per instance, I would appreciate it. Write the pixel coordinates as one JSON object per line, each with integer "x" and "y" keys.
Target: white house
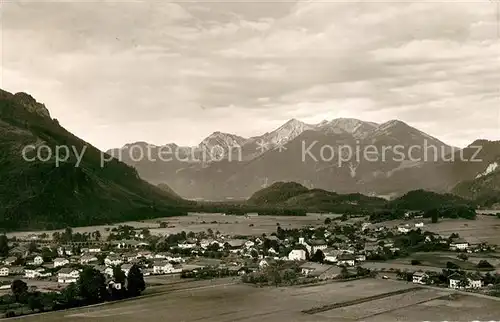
{"x": 94, "y": 249}
{"x": 331, "y": 255}
{"x": 68, "y": 275}
{"x": 36, "y": 273}
{"x": 419, "y": 277}
{"x": 297, "y": 255}
{"x": 186, "y": 245}
{"x": 459, "y": 244}
{"x": 456, "y": 281}
{"x": 59, "y": 262}
{"x": 38, "y": 260}
{"x": 113, "y": 260}
{"x": 313, "y": 245}
{"x": 10, "y": 260}
{"x": 403, "y": 230}
{"x": 346, "y": 259}
{"x": 164, "y": 267}
{"x": 4, "y": 271}
{"x": 419, "y": 225}
{"x": 87, "y": 258}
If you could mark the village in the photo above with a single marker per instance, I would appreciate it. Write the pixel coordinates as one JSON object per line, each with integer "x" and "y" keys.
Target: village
{"x": 332, "y": 250}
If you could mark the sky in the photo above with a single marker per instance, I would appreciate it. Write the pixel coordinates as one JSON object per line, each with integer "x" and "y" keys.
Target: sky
{"x": 116, "y": 72}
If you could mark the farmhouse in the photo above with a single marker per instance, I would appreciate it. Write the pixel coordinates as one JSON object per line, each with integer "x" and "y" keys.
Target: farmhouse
{"x": 459, "y": 244}
{"x": 459, "y": 281}
{"x": 87, "y": 259}
{"x": 59, "y": 262}
{"x": 320, "y": 271}
{"x": 420, "y": 277}
{"x": 164, "y": 267}
{"x": 68, "y": 275}
{"x": 113, "y": 260}
{"x": 4, "y": 271}
{"x": 297, "y": 255}
{"x": 346, "y": 259}
{"x": 10, "y": 260}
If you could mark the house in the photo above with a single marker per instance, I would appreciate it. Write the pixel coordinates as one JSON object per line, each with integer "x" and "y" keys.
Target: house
{"x": 459, "y": 244}
{"x": 145, "y": 254}
{"x": 360, "y": 257}
{"x": 37, "y": 260}
{"x": 187, "y": 245}
{"x": 94, "y": 249}
{"x": 249, "y": 244}
{"x": 113, "y": 260}
{"x": 346, "y": 259}
{"x": 10, "y": 260}
{"x": 235, "y": 244}
{"x": 320, "y": 271}
{"x": 59, "y": 262}
{"x": 459, "y": 281}
{"x": 317, "y": 244}
{"x": 403, "y": 230}
{"x": 331, "y": 255}
{"x": 297, "y": 255}
{"x": 420, "y": 277}
{"x": 419, "y": 225}
{"x": 64, "y": 250}
{"x": 87, "y": 259}
{"x": 266, "y": 262}
{"x": 4, "y": 271}
{"x": 164, "y": 267}
{"x": 68, "y": 275}
{"x": 36, "y": 273}
{"x": 19, "y": 251}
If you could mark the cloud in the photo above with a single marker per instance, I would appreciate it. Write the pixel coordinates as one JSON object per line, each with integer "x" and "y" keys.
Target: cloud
{"x": 161, "y": 71}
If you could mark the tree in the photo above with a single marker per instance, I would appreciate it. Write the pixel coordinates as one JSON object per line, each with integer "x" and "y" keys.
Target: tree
{"x": 32, "y": 247}
{"x": 19, "y": 289}
{"x": 452, "y": 265}
{"x": 344, "y": 273}
{"x": 4, "y": 246}
{"x": 35, "y": 302}
{"x": 328, "y": 221}
{"x": 318, "y": 257}
{"x": 119, "y": 277}
{"x": 135, "y": 281}
{"x": 434, "y": 217}
{"x": 463, "y": 257}
{"x": 69, "y": 296}
{"x": 92, "y": 285}
{"x": 415, "y": 262}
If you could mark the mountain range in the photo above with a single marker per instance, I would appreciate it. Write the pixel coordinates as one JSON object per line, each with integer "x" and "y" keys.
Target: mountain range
{"x": 393, "y": 158}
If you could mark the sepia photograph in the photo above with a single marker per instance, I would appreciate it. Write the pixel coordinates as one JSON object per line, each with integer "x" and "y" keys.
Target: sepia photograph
{"x": 249, "y": 160}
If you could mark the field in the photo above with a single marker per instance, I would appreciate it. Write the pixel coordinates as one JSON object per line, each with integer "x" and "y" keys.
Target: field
{"x": 483, "y": 229}
{"x": 196, "y": 222}
{"x": 236, "y": 302}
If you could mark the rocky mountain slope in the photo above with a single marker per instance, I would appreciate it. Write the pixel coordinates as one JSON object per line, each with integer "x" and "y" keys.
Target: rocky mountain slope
{"x": 39, "y": 194}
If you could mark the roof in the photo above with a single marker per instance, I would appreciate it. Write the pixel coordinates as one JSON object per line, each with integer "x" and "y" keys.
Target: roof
{"x": 317, "y": 242}
{"x": 420, "y": 274}
{"x": 312, "y": 265}
{"x": 346, "y": 257}
{"x": 236, "y": 242}
{"x": 66, "y": 270}
{"x": 459, "y": 241}
{"x": 127, "y": 266}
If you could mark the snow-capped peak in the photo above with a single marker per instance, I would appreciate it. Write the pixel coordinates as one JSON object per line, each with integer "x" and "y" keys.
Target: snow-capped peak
{"x": 287, "y": 132}
{"x": 223, "y": 140}
{"x": 352, "y": 126}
